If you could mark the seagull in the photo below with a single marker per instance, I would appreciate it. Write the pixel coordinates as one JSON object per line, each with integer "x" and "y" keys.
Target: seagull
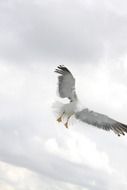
{"x": 66, "y": 89}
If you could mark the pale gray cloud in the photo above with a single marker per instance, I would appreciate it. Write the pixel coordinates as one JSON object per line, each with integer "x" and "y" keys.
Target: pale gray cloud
{"x": 35, "y": 37}
{"x": 66, "y": 30}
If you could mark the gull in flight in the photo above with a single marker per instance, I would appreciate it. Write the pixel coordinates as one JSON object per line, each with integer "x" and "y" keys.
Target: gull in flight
{"x": 66, "y": 89}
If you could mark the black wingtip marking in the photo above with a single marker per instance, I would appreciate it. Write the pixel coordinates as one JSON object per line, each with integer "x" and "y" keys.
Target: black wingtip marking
{"x": 122, "y": 129}
{"x": 58, "y": 71}
{"x": 61, "y": 69}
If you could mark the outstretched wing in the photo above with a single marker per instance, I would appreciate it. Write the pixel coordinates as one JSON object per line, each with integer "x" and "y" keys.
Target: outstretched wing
{"x": 66, "y": 83}
{"x": 101, "y": 121}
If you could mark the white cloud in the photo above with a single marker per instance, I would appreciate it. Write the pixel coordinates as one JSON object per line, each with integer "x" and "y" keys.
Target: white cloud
{"x": 35, "y": 37}
{"x": 79, "y": 149}
{"x": 12, "y": 178}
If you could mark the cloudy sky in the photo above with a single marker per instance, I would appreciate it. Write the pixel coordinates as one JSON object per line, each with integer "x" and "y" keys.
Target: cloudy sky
{"x": 90, "y": 38}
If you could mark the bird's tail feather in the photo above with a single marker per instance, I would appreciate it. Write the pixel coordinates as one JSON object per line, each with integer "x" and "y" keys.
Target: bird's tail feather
{"x": 57, "y": 107}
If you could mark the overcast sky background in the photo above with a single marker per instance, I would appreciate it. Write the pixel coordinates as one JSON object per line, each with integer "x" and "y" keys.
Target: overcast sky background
{"x": 90, "y": 38}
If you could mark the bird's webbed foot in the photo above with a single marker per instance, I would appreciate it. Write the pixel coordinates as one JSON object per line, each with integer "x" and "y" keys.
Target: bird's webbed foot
{"x": 59, "y": 119}
{"x": 66, "y": 125}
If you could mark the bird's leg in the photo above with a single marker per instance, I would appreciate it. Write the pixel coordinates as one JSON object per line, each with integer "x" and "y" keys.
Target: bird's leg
{"x": 66, "y": 124}
{"x": 59, "y": 119}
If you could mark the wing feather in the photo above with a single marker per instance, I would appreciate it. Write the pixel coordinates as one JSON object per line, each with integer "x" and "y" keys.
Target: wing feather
{"x": 66, "y": 83}
{"x": 101, "y": 121}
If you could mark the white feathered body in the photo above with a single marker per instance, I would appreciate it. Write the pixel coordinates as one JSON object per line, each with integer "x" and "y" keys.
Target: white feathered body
{"x": 67, "y": 109}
